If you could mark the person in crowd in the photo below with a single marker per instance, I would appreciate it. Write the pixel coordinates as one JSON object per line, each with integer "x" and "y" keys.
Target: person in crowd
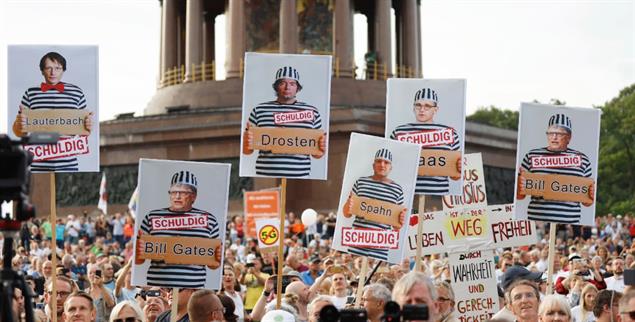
{"x": 63, "y": 287}
{"x": 417, "y": 288}
{"x": 183, "y": 297}
{"x": 374, "y": 298}
{"x": 79, "y": 307}
{"x": 205, "y": 306}
{"x": 229, "y": 309}
{"x": 584, "y": 311}
{"x": 523, "y": 297}
{"x": 616, "y": 282}
{"x": 124, "y": 290}
{"x": 554, "y": 308}
{"x": 254, "y": 279}
{"x": 231, "y": 289}
{"x": 606, "y": 307}
{"x": 127, "y": 311}
{"x": 445, "y": 301}
{"x": 309, "y": 276}
{"x": 102, "y": 297}
{"x": 154, "y": 306}
{"x": 627, "y": 307}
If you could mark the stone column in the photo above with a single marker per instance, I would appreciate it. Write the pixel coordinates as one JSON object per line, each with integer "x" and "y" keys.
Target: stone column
{"x": 410, "y": 34}
{"x": 168, "y": 42}
{"x": 382, "y": 34}
{"x": 288, "y": 27}
{"x": 235, "y": 37}
{"x": 209, "y": 46}
{"x": 343, "y": 38}
{"x": 193, "y": 31}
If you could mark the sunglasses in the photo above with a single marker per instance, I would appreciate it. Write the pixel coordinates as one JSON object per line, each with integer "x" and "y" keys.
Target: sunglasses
{"x": 128, "y": 319}
{"x": 631, "y": 314}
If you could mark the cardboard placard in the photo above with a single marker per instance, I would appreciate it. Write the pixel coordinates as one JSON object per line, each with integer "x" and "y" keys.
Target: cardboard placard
{"x": 473, "y": 279}
{"x": 62, "y": 121}
{"x": 287, "y": 140}
{"x": 474, "y": 193}
{"x": 376, "y": 210}
{"x": 439, "y": 163}
{"x": 180, "y": 250}
{"x": 558, "y": 187}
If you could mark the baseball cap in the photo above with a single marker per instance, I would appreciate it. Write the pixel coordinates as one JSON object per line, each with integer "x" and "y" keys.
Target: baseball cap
{"x": 518, "y": 272}
{"x": 574, "y": 256}
{"x": 278, "y": 316}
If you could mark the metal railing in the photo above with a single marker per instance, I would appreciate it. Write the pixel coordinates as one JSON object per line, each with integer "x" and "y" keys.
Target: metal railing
{"x": 207, "y": 72}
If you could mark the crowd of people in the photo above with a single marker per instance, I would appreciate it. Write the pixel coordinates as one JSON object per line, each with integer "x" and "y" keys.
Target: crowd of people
{"x": 95, "y": 255}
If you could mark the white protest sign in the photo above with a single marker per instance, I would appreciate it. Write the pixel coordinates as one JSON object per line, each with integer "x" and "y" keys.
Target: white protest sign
{"x": 268, "y": 230}
{"x": 377, "y": 189}
{"x": 473, "y": 280}
{"x": 474, "y": 194}
{"x": 509, "y": 232}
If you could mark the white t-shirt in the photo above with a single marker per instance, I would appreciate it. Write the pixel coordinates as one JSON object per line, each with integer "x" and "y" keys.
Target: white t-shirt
{"x": 238, "y": 303}
{"x": 615, "y": 283}
{"x": 338, "y": 302}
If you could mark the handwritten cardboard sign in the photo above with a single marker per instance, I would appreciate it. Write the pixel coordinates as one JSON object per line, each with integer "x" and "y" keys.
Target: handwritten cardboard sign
{"x": 62, "y": 121}
{"x": 180, "y": 250}
{"x": 509, "y": 232}
{"x": 439, "y": 163}
{"x": 287, "y": 140}
{"x": 474, "y": 193}
{"x": 376, "y": 210}
{"x": 558, "y": 187}
{"x": 473, "y": 280}
{"x": 65, "y": 147}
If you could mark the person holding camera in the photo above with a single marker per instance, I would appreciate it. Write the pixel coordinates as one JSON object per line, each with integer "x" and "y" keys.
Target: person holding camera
{"x": 124, "y": 290}
{"x": 103, "y": 299}
{"x": 579, "y": 273}
{"x": 254, "y": 280}
{"x": 339, "y": 287}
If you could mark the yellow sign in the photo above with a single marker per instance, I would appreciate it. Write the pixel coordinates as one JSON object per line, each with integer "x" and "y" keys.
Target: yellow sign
{"x": 268, "y": 235}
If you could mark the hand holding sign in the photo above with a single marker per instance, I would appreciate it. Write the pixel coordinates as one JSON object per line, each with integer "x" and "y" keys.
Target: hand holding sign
{"x": 248, "y": 140}
{"x": 459, "y": 167}
{"x": 321, "y": 146}
{"x": 18, "y": 124}
{"x": 348, "y": 206}
{"x": 520, "y": 190}
{"x": 88, "y": 122}
{"x": 138, "y": 260}
{"x": 591, "y": 195}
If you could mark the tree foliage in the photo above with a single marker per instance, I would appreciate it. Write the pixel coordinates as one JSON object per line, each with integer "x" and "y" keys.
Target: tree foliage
{"x": 495, "y": 116}
{"x": 616, "y": 173}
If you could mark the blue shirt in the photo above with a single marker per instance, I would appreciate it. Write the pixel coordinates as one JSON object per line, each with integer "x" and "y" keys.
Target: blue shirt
{"x": 307, "y": 278}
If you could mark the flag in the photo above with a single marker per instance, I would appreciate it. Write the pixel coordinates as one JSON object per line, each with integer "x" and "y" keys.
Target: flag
{"x": 133, "y": 203}
{"x": 103, "y": 195}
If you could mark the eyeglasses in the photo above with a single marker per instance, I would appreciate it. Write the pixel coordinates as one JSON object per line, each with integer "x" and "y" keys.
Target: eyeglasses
{"x": 179, "y": 192}
{"x": 557, "y": 134}
{"x": 444, "y": 299}
{"x": 631, "y": 314}
{"x": 426, "y": 107}
{"x": 128, "y": 319}
{"x": 520, "y": 296}
{"x": 60, "y": 293}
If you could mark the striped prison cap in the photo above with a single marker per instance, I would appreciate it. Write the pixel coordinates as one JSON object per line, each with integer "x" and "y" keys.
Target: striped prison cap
{"x": 560, "y": 120}
{"x": 383, "y": 154}
{"x": 427, "y": 94}
{"x": 288, "y": 72}
{"x": 184, "y": 177}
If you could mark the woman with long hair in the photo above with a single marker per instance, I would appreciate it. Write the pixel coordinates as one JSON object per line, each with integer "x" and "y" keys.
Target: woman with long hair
{"x": 584, "y": 311}
{"x": 231, "y": 289}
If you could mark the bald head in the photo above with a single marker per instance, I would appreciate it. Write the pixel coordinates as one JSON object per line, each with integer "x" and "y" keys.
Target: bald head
{"x": 301, "y": 290}
{"x": 204, "y": 306}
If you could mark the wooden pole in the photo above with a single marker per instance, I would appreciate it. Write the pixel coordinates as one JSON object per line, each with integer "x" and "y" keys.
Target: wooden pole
{"x": 552, "y": 255}
{"x": 53, "y": 302}
{"x": 283, "y": 204}
{"x": 361, "y": 281}
{"x": 422, "y": 206}
{"x": 175, "y": 305}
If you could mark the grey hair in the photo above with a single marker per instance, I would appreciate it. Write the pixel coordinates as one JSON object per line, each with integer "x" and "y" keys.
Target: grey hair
{"x": 552, "y": 300}
{"x": 132, "y": 304}
{"x": 319, "y": 298}
{"x": 447, "y": 286}
{"x": 284, "y": 306}
{"x": 408, "y": 281}
{"x": 379, "y": 291}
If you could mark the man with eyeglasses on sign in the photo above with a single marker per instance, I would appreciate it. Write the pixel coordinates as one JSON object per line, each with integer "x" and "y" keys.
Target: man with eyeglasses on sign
{"x": 558, "y": 133}
{"x": 426, "y": 106}
{"x": 205, "y": 306}
{"x": 183, "y": 193}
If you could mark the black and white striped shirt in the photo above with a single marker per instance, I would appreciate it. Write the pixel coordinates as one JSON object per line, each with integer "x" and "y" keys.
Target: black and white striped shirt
{"x": 384, "y": 191}
{"x": 431, "y": 185}
{"x": 555, "y": 211}
{"x": 283, "y": 165}
{"x": 176, "y": 275}
{"x": 71, "y": 98}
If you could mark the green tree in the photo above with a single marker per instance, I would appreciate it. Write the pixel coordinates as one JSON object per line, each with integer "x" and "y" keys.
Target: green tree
{"x": 616, "y": 169}
{"x": 495, "y": 116}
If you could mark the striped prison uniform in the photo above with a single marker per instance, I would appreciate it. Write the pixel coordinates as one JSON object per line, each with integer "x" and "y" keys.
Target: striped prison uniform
{"x": 429, "y": 185}
{"x": 549, "y": 210}
{"x": 388, "y": 192}
{"x": 71, "y": 98}
{"x": 283, "y": 165}
{"x": 177, "y": 275}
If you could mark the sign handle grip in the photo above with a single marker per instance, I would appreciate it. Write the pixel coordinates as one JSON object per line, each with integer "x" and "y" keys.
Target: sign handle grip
{"x": 422, "y": 206}
{"x": 552, "y": 248}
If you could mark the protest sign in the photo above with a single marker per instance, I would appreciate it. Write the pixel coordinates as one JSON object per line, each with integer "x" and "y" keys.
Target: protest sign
{"x": 507, "y": 231}
{"x": 431, "y": 114}
{"x": 385, "y": 171}
{"x": 179, "y": 237}
{"x": 473, "y": 192}
{"x": 268, "y": 234}
{"x": 285, "y": 135}
{"x": 556, "y": 164}
{"x": 54, "y": 88}
{"x": 473, "y": 280}
{"x": 260, "y": 205}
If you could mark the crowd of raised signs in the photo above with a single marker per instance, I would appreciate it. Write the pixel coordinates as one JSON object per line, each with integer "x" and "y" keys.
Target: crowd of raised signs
{"x": 94, "y": 260}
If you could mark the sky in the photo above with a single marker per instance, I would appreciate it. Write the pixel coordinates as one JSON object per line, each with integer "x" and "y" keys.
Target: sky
{"x": 510, "y": 51}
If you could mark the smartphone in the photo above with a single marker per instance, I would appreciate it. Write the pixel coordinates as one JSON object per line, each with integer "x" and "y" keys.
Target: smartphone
{"x": 337, "y": 269}
{"x": 350, "y": 300}
{"x": 40, "y": 306}
{"x": 98, "y": 272}
{"x": 249, "y": 265}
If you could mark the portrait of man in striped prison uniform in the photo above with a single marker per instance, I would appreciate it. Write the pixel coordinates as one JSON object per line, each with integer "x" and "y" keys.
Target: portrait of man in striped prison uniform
{"x": 286, "y": 85}
{"x": 183, "y": 192}
{"x": 558, "y": 133}
{"x": 378, "y": 186}
{"x": 425, "y": 107}
{"x": 53, "y": 94}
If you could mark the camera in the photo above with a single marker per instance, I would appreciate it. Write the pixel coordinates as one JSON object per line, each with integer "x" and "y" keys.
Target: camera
{"x": 330, "y": 313}
{"x": 410, "y": 312}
